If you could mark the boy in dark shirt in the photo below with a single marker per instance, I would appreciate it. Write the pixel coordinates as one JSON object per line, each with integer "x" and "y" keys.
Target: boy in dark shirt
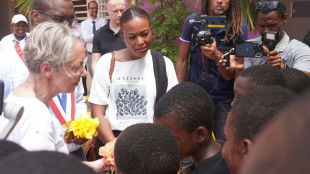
{"x": 284, "y": 143}
{"x": 247, "y": 118}
{"x": 188, "y": 111}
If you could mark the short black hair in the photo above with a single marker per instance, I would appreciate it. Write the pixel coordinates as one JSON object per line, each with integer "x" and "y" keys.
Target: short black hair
{"x": 8, "y": 147}
{"x": 43, "y": 5}
{"x": 286, "y": 136}
{"x": 147, "y": 148}
{"x": 252, "y": 111}
{"x": 91, "y": 2}
{"x": 47, "y": 162}
{"x": 189, "y": 105}
{"x": 264, "y": 75}
{"x": 306, "y": 39}
{"x": 296, "y": 80}
{"x": 281, "y": 9}
{"x": 133, "y": 12}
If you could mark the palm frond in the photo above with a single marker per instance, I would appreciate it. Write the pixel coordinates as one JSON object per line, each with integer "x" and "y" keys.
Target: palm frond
{"x": 248, "y": 8}
{"x": 24, "y": 6}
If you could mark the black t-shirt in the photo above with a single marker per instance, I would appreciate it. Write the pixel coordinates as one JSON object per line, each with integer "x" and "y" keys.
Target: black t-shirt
{"x": 213, "y": 165}
{"x": 106, "y": 41}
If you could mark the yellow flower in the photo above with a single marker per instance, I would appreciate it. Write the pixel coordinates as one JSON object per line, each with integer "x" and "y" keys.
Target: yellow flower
{"x": 107, "y": 152}
{"x": 83, "y": 127}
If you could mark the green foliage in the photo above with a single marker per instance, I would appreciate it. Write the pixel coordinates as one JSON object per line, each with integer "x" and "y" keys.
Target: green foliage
{"x": 248, "y": 8}
{"x": 167, "y": 19}
{"x": 24, "y": 6}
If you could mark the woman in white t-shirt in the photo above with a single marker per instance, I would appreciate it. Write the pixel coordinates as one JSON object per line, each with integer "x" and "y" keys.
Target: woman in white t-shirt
{"x": 125, "y": 94}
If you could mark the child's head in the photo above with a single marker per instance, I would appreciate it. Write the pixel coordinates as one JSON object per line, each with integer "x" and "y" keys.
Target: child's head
{"x": 247, "y": 118}
{"x": 38, "y": 162}
{"x": 283, "y": 146}
{"x": 296, "y": 80}
{"x": 146, "y": 148}
{"x": 187, "y": 110}
{"x": 136, "y": 31}
{"x": 8, "y": 147}
{"x": 256, "y": 77}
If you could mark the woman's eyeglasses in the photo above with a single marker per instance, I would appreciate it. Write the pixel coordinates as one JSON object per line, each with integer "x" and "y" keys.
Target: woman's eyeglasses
{"x": 77, "y": 71}
{"x": 72, "y": 21}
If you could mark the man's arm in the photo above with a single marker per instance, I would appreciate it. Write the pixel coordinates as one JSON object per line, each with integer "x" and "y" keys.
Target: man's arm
{"x": 94, "y": 57}
{"x": 105, "y": 133}
{"x": 210, "y": 51}
{"x": 4, "y": 74}
{"x": 300, "y": 55}
{"x": 181, "y": 63}
{"x": 87, "y": 36}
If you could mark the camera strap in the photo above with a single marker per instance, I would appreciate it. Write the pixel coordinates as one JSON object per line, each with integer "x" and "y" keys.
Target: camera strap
{"x": 206, "y": 66}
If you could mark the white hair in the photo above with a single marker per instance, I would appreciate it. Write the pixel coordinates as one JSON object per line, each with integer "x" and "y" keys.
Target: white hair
{"x": 49, "y": 42}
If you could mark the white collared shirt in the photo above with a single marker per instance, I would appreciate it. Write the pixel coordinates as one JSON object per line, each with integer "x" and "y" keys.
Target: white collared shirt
{"x": 8, "y": 43}
{"x": 36, "y": 130}
{"x": 87, "y": 31}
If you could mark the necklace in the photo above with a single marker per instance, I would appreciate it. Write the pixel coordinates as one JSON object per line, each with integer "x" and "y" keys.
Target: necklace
{"x": 38, "y": 95}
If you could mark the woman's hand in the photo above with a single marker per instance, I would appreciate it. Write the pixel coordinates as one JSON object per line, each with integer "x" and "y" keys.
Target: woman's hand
{"x": 79, "y": 141}
{"x": 70, "y": 138}
{"x": 98, "y": 165}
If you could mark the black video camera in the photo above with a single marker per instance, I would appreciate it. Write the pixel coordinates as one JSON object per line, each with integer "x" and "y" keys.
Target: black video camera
{"x": 270, "y": 38}
{"x": 203, "y": 26}
{"x": 249, "y": 49}
{"x": 244, "y": 49}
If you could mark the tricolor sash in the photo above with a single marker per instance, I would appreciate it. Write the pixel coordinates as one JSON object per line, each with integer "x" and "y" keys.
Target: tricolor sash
{"x": 67, "y": 115}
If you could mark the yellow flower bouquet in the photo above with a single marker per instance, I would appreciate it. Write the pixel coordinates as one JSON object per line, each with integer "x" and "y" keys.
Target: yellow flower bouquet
{"x": 82, "y": 127}
{"x": 107, "y": 152}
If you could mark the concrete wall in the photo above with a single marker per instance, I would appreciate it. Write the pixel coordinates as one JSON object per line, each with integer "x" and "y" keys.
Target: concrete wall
{"x": 296, "y": 27}
{"x": 6, "y": 13}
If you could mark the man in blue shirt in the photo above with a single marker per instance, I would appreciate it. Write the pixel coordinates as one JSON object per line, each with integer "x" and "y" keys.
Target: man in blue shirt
{"x": 204, "y": 69}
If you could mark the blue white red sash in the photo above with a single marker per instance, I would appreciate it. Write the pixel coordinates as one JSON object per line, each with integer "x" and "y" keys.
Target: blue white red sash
{"x": 60, "y": 113}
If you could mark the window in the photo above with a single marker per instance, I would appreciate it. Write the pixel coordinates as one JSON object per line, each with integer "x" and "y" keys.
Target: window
{"x": 80, "y": 7}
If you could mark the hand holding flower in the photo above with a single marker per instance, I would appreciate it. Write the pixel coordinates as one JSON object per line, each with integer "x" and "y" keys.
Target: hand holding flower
{"x": 98, "y": 165}
{"x": 81, "y": 129}
{"x": 107, "y": 152}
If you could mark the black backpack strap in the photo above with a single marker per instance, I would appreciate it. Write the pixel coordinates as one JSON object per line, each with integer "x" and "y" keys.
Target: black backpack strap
{"x": 160, "y": 73}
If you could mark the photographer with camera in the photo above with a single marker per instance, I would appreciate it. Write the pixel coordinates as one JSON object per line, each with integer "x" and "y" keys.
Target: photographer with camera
{"x": 282, "y": 51}
{"x": 204, "y": 58}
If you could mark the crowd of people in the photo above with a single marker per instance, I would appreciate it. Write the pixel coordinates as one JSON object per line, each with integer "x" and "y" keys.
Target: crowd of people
{"x": 249, "y": 117}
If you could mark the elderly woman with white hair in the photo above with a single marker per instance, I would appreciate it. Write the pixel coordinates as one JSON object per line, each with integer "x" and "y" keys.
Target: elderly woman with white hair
{"x": 54, "y": 55}
{"x": 55, "y": 58}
